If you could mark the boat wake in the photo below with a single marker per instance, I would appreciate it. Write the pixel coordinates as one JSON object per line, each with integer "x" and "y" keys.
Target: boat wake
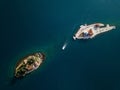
{"x": 69, "y": 39}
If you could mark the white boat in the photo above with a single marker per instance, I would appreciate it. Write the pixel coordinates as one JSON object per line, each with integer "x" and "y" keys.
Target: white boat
{"x": 64, "y": 46}
{"x": 90, "y": 31}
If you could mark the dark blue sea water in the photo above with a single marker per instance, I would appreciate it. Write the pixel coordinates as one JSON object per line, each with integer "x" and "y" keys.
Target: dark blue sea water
{"x": 28, "y": 26}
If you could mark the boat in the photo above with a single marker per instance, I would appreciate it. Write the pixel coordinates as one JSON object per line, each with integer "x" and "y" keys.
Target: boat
{"x": 28, "y": 64}
{"x": 90, "y": 31}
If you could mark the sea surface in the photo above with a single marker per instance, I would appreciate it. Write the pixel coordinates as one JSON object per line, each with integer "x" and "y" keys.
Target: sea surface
{"x": 28, "y": 26}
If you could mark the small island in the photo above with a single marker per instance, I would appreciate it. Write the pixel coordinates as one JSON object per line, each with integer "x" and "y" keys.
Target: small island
{"x": 28, "y": 64}
{"x": 90, "y": 31}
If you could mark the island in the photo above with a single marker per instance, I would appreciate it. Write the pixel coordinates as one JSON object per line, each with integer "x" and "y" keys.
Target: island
{"x": 28, "y": 64}
{"x": 90, "y": 31}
